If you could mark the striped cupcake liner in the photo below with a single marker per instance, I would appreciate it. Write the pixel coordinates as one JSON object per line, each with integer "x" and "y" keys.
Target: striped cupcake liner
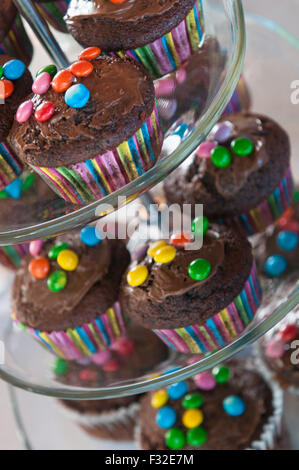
{"x": 94, "y": 179}
{"x": 17, "y": 43}
{"x": 222, "y": 328}
{"x": 10, "y": 166}
{"x": 11, "y": 256}
{"x": 169, "y": 52}
{"x": 86, "y": 340}
{"x": 240, "y": 101}
{"x": 266, "y": 213}
{"x": 53, "y": 12}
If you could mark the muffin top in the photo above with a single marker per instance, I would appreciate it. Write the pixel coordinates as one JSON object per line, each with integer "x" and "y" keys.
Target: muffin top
{"x": 68, "y": 283}
{"x": 186, "y": 285}
{"x": 136, "y": 355}
{"x": 95, "y": 113}
{"x": 125, "y": 25}
{"x": 7, "y": 16}
{"x": 225, "y": 409}
{"x": 241, "y": 164}
{"x": 15, "y": 85}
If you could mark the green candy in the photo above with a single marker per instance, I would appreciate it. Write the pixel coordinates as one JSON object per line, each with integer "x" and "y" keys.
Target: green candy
{"x": 51, "y": 69}
{"x": 1, "y": 71}
{"x": 221, "y": 374}
{"x": 296, "y": 196}
{"x": 60, "y": 367}
{"x": 199, "y": 269}
{"x": 242, "y": 146}
{"x": 28, "y": 182}
{"x": 57, "y": 281}
{"x": 192, "y": 400}
{"x": 175, "y": 439}
{"x": 56, "y": 249}
{"x": 200, "y": 226}
{"x": 197, "y": 436}
{"x": 3, "y": 195}
{"x": 221, "y": 157}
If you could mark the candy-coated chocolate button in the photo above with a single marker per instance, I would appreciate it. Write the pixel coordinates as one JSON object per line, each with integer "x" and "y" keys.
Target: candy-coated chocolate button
{"x": 117, "y": 1}
{"x": 111, "y": 366}
{"x": 192, "y": 418}
{"x": 82, "y": 68}
{"x": 123, "y": 346}
{"x": 39, "y": 268}
{"x": 56, "y": 249}
{"x": 165, "y": 254}
{"x": 62, "y": 81}
{"x": 88, "y": 375}
{"x": 44, "y": 112}
{"x": 137, "y": 276}
{"x": 77, "y": 96}
{"x": 287, "y": 241}
{"x": 68, "y": 260}
{"x": 51, "y": 69}
{"x": 205, "y": 149}
{"x": 199, "y": 269}
{"x": 28, "y": 182}
{"x": 221, "y": 132}
{"x": 221, "y": 157}
{"x": 24, "y": 111}
{"x": 197, "y": 437}
{"x": 90, "y": 236}
{"x": 166, "y": 417}
{"x": 35, "y": 247}
{"x": 6, "y": 89}
{"x": 178, "y": 390}
{"x": 205, "y": 381}
{"x": 242, "y": 146}
{"x": 275, "y": 265}
{"x": 60, "y": 367}
{"x": 154, "y": 247}
{"x": 275, "y": 348}
{"x": 221, "y": 374}
{"x": 181, "y": 239}
{"x": 101, "y": 358}
{"x": 57, "y": 281}
{"x": 200, "y": 226}
{"x": 14, "y": 69}
{"x": 90, "y": 53}
{"x": 288, "y": 332}
{"x": 159, "y": 399}
{"x": 42, "y": 83}
{"x": 1, "y": 71}
{"x": 192, "y": 400}
{"x": 234, "y": 405}
{"x": 14, "y": 189}
{"x": 175, "y": 439}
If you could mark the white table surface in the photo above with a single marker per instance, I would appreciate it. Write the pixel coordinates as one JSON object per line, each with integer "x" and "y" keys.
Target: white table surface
{"x": 286, "y": 13}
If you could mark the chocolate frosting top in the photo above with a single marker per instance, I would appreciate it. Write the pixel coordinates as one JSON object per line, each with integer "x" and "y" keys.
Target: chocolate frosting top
{"x": 224, "y": 432}
{"x": 121, "y": 99}
{"x": 91, "y": 289}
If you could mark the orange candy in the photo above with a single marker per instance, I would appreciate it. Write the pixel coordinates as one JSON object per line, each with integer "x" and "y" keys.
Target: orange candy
{"x": 82, "y": 68}
{"x": 62, "y": 81}
{"x": 90, "y": 53}
{"x": 6, "y": 89}
{"x": 181, "y": 239}
{"x": 39, "y": 268}
{"x": 117, "y": 1}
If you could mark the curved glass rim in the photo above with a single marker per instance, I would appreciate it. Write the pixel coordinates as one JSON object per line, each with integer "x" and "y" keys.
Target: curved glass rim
{"x": 87, "y": 214}
{"x": 184, "y": 373}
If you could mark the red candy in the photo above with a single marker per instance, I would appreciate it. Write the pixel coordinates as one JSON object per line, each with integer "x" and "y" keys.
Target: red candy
{"x": 87, "y": 375}
{"x": 90, "y": 53}
{"x": 45, "y": 111}
{"x": 288, "y": 332}
{"x": 117, "y": 1}
{"x": 82, "y": 68}
{"x": 111, "y": 366}
{"x": 181, "y": 239}
{"x": 123, "y": 346}
{"x": 6, "y": 89}
{"x": 286, "y": 217}
{"x": 62, "y": 81}
{"x": 39, "y": 268}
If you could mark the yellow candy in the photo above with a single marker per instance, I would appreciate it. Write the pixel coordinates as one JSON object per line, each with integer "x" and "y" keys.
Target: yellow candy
{"x": 192, "y": 418}
{"x": 159, "y": 399}
{"x": 137, "y": 275}
{"x": 68, "y": 260}
{"x": 154, "y": 247}
{"x": 165, "y": 254}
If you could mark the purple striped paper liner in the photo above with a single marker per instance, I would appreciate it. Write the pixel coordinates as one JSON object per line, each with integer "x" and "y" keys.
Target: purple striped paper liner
{"x": 12, "y": 255}
{"x": 10, "y": 166}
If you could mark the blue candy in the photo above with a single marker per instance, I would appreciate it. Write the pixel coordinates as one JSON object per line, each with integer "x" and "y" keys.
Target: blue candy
{"x": 275, "y": 265}
{"x": 14, "y": 69}
{"x": 90, "y": 236}
{"x": 178, "y": 390}
{"x": 77, "y": 96}
{"x": 166, "y": 417}
{"x": 14, "y": 190}
{"x": 182, "y": 130}
{"x": 287, "y": 241}
{"x": 234, "y": 405}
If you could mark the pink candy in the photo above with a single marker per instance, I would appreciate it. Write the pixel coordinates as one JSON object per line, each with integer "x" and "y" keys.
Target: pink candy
{"x": 123, "y": 346}
{"x": 205, "y": 381}
{"x": 42, "y": 83}
{"x": 205, "y": 149}
{"x": 24, "y": 111}
{"x": 181, "y": 75}
{"x": 275, "y": 349}
{"x": 101, "y": 358}
{"x": 111, "y": 366}
{"x": 164, "y": 87}
{"x": 35, "y": 247}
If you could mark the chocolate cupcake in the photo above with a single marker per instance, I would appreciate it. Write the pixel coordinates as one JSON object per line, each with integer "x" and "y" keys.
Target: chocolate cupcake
{"x": 15, "y": 84}
{"x": 66, "y": 296}
{"x": 240, "y": 174}
{"x": 160, "y": 35}
{"x": 195, "y": 300}
{"x": 230, "y": 408}
{"x": 93, "y": 129}
{"x": 127, "y": 359}
{"x": 278, "y": 351}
